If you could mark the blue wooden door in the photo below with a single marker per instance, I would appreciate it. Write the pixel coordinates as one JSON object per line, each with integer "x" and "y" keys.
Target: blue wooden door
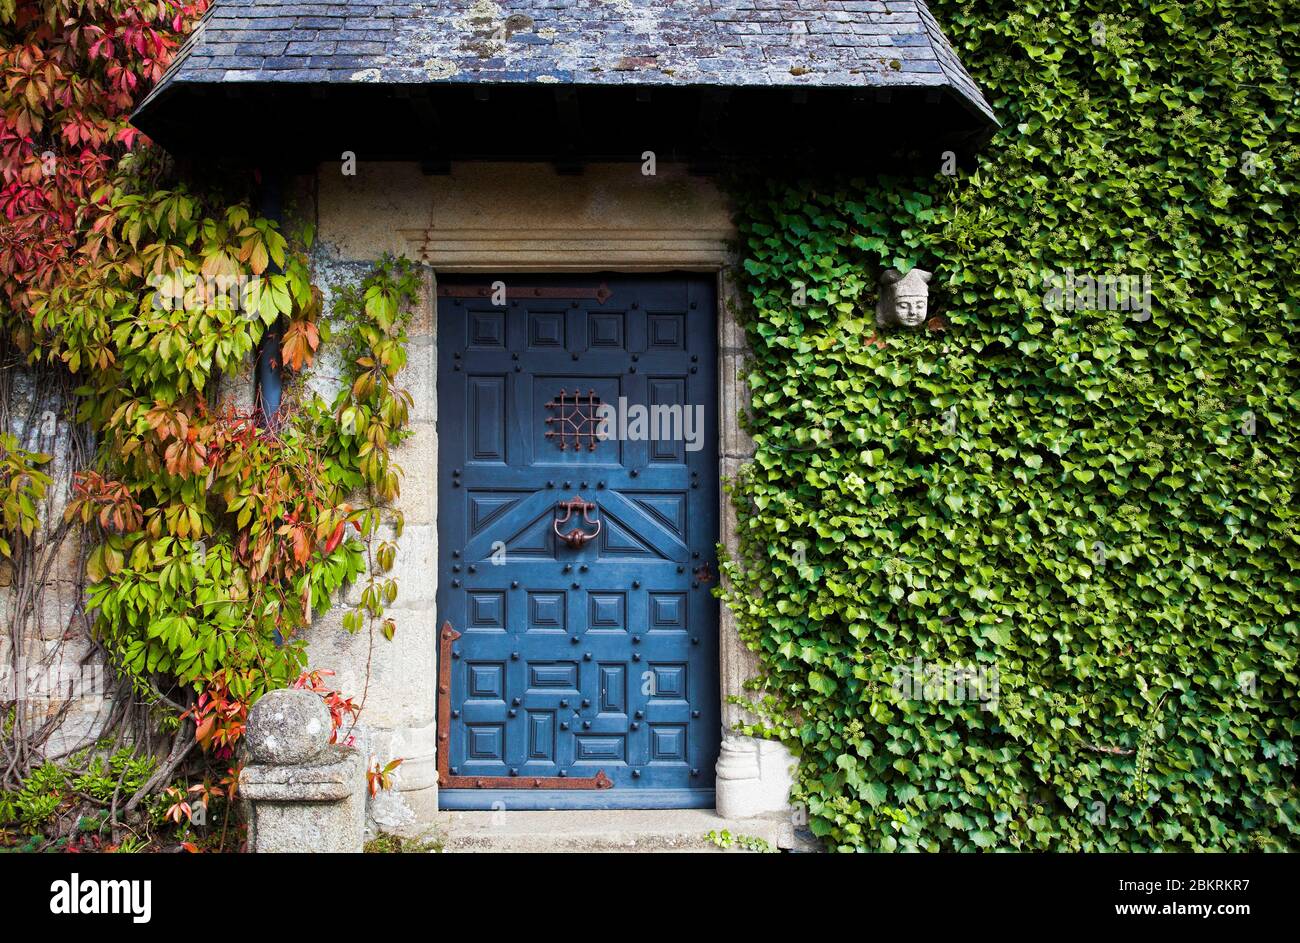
{"x": 578, "y": 662}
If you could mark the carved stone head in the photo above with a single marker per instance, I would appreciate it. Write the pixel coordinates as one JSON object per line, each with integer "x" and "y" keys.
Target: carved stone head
{"x": 903, "y": 299}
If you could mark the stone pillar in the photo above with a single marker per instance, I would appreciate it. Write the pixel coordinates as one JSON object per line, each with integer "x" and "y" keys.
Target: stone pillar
{"x": 401, "y": 707}
{"x": 754, "y": 776}
{"x": 302, "y": 793}
{"x": 398, "y": 677}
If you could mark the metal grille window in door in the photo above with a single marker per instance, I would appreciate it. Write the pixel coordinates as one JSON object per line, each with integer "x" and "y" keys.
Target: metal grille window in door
{"x": 578, "y": 515}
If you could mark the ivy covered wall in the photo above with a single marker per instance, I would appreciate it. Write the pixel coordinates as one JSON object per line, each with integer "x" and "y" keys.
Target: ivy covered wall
{"x": 1086, "y": 519}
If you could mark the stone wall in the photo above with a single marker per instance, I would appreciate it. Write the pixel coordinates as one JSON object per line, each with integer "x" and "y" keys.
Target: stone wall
{"x": 48, "y": 664}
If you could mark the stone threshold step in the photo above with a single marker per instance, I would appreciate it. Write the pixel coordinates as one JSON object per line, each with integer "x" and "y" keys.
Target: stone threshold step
{"x": 660, "y": 830}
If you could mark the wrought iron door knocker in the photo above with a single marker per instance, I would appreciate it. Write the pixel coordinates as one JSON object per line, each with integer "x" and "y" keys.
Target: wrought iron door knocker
{"x": 576, "y": 537}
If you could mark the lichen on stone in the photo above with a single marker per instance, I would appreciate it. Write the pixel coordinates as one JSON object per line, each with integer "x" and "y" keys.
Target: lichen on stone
{"x": 440, "y": 68}
{"x": 489, "y": 28}
{"x": 482, "y": 12}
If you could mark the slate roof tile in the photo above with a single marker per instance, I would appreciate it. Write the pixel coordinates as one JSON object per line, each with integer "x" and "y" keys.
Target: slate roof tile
{"x": 724, "y": 42}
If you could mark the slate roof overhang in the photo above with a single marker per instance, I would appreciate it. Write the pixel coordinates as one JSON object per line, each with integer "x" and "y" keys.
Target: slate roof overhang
{"x": 850, "y": 81}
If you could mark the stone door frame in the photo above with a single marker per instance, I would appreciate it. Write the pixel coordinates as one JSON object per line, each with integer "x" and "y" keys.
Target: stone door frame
{"x": 754, "y": 777}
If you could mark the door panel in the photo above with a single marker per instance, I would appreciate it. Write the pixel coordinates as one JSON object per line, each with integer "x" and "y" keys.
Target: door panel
{"x": 594, "y": 662}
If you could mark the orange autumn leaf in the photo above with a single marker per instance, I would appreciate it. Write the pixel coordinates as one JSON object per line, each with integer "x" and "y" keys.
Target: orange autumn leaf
{"x": 301, "y": 338}
{"x": 301, "y": 544}
{"x": 185, "y": 457}
{"x": 204, "y": 730}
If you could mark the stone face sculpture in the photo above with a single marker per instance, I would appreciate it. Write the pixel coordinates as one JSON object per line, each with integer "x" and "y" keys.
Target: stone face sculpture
{"x": 903, "y": 299}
